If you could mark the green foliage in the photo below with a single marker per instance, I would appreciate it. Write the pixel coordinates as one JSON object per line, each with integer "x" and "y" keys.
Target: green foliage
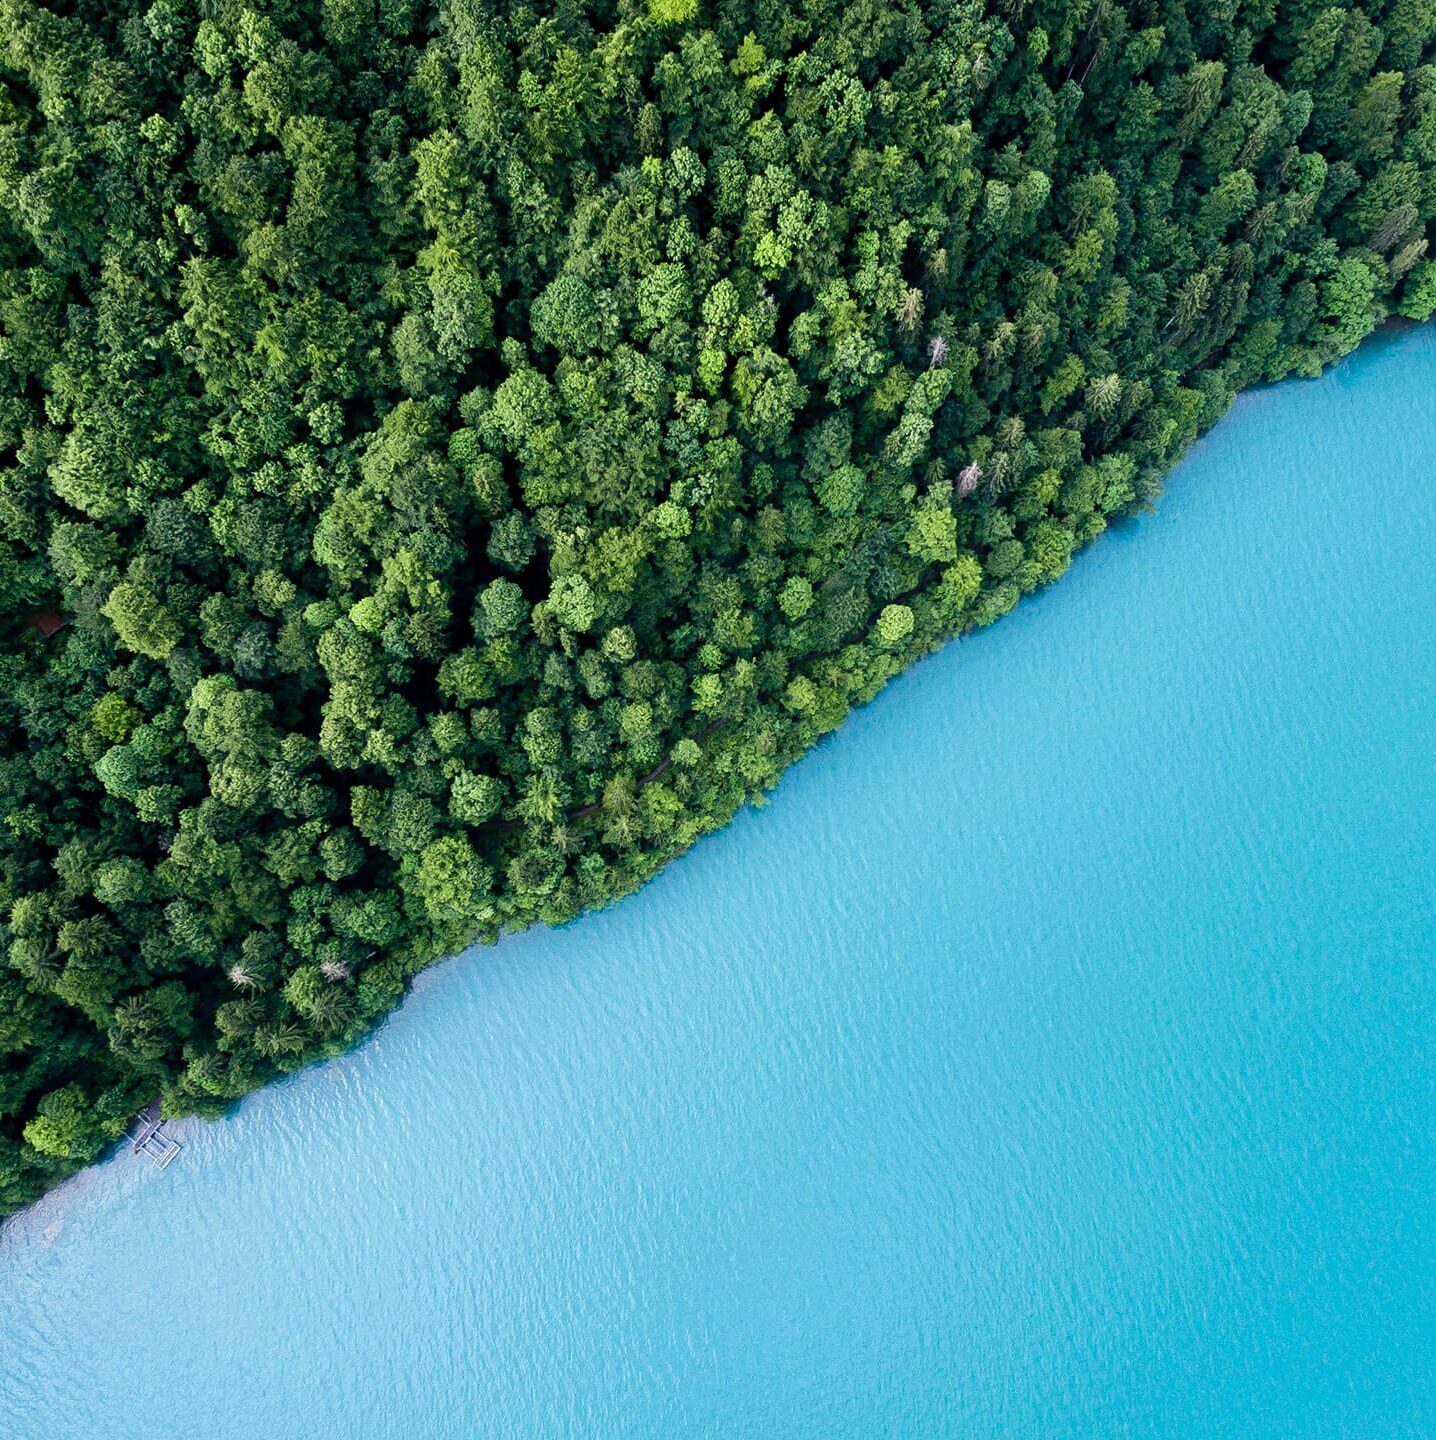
{"x": 63, "y": 1128}
{"x": 142, "y": 624}
{"x": 894, "y": 624}
{"x": 565, "y": 316}
{"x": 473, "y": 449}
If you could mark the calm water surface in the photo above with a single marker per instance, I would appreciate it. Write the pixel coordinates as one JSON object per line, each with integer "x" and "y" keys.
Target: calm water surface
{"x": 1051, "y": 1058}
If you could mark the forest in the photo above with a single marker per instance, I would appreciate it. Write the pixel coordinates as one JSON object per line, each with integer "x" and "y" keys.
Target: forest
{"x": 453, "y": 455}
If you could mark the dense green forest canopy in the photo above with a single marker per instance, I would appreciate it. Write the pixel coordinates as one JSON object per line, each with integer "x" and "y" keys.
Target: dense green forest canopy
{"x": 473, "y": 446}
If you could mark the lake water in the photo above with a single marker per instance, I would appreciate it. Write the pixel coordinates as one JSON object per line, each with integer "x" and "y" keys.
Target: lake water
{"x": 1051, "y": 1058}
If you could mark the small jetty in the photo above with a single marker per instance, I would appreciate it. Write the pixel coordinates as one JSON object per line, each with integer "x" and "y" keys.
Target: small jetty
{"x": 148, "y": 1137}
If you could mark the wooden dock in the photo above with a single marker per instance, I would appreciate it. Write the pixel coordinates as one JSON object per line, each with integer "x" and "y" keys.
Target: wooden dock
{"x": 148, "y": 1137}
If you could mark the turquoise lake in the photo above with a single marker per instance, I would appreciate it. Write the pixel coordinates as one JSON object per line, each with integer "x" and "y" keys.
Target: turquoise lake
{"x": 1051, "y": 1057}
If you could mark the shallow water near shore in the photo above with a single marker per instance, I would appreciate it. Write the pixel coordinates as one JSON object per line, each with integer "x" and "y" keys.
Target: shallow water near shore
{"x": 1052, "y": 1057}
